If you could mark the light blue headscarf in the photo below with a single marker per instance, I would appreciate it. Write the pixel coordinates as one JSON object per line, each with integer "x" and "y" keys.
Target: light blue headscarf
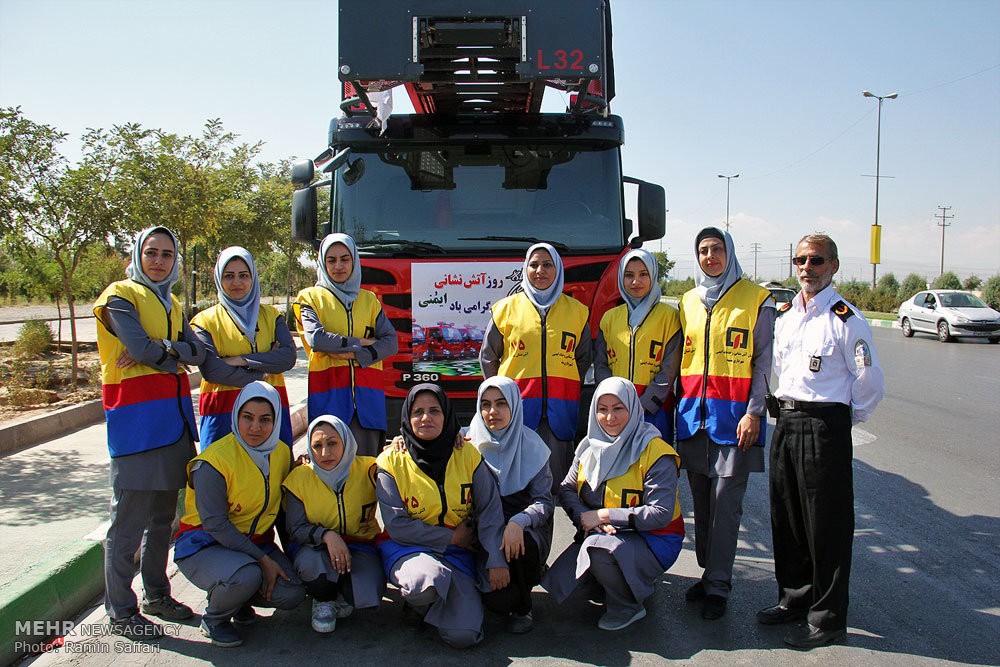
{"x": 515, "y": 453}
{"x": 639, "y": 308}
{"x": 261, "y": 453}
{"x": 710, "y": 289}
{"x": 604, "y": 457}
{"x": 337, "y": 477}
{"x": 135, "y": 272}
{"x": 543, "y": 299}
{"x": 346, "y": 291}
{"x": 244, "y": 311}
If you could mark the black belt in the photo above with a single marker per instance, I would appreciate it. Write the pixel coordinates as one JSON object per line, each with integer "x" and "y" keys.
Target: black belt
{"x": 787, "y": 404}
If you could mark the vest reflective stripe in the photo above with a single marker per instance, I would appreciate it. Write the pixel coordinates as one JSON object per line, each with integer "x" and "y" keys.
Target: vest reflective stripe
{"x": 340, "y": 387}
{"x": 216, "y": 401}
{"x": 556, "y": 388}
{"x": 627, "y": 490}
{"x": 423, "y": 497}
{"x": 352, "y": 513}
{"x": 253, "y": 501}
{"x": 637, "y": 356}
{"x": 145, "y": 408}
{"x": 716, "y": 373}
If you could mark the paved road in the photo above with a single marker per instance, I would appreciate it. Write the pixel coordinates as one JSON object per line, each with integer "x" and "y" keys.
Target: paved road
{"x": 925, "y": 587}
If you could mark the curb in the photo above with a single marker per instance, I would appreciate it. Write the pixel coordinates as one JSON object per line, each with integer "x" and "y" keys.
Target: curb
{"x": 30, "y": 432}
{"x": 55, "y": 590}
{"x": 885, "y": 324}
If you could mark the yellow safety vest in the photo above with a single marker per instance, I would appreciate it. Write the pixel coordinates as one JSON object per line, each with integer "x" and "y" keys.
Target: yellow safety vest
{"x": 145, "y": 408}
{"x": 340, "y": 387}
{"x": 254, "y": 500}
{"x": 350, "y": 513}
{"x": 636, "y": 355}
{"x": 445, "y": 505}
{"x": 543, "y": 366}
{"x": 716, "y": 364}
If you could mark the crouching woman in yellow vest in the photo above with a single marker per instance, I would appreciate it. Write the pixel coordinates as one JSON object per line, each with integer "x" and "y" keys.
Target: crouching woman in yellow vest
{"x": 540, "y": 338}
{"x": 621, "y": 494}
{"x": 244, "y": 341}
{"x": 640, "y": 340}
{"x": 428, "y": 495}
{"x": 225, "y": 544}
{"x": 143, "y": 339}
{"x": 330, "y": 515}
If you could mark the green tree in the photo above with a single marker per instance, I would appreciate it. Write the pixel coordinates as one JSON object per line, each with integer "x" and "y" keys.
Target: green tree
{"x": 991, "y": 292}
{"x": 45, "y": 204}
{"x": 663, "y": 265}
{"x": 791, "y": 283}
{"x": 911, "y": 285}
{"x": 973, "y": 282}
{"x": 947, "y": 280}
{"x": 677, "y": 287}
{"x": 888, "y": 284}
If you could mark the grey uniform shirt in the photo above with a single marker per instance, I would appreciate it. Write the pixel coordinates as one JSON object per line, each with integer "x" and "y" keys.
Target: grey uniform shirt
{"x": 161, "y": 469}
{"x": 272, "y": 362}
{"x": 212, "y": 502}
{"x": 321, "y": 340}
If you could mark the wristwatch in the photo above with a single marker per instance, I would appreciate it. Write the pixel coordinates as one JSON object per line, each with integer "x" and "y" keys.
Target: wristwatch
{"x": 168, "y": 345}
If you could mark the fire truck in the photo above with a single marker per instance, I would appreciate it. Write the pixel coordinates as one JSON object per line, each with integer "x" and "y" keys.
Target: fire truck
{"x": 444, "y": 202}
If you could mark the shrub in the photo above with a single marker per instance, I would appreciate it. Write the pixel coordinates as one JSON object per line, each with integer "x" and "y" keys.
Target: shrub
{"x": 33, "y": 338}
{"x": 676, "y": 287}
{"x": 991, "y": 292}
{"x": 973, "y": 282}
{"x": 911, "y": 285}
{"x": 947, "y": 280}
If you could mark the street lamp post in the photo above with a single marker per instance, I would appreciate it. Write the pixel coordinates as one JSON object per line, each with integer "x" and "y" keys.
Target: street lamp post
{"x": 728, "y": 178}
{"x": 876, "y": 231}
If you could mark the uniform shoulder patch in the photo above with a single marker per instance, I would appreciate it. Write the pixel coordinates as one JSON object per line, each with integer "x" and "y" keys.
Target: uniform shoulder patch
{"x": 842, "y": 310}
{"x": 784, "y": 308}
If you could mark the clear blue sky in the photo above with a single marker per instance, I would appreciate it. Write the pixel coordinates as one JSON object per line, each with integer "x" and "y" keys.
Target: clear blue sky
{"x": 767, "y": 89}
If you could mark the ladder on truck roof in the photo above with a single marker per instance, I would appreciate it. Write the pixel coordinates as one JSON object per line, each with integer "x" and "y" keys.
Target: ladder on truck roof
{"x": 456, "y": 56}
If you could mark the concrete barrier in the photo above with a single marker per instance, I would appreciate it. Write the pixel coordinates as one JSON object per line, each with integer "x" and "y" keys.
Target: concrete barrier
{"x": 21, "y": 435}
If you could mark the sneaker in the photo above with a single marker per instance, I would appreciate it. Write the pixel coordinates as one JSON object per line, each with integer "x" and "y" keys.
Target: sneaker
{"x": 166, "y": 607}
{"x": 324, "y": 617}
{"x": 222, "y": 633}
{"x": 136, "y": 626}
{"x": 620, "y": 620}
{"x": 342, "y": 608}
{"x": 520, "y": 623}
{"x": 245, "y": 615}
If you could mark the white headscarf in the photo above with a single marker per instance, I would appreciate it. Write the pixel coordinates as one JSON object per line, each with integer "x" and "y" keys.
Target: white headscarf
{"x": 135, "y": 272}
{"x": 337, "y": 477}
{"x": 261, "y": 453}
{"x": 711, "y": 288}
{"x": 543, "y": 299}
{"x": 515, "y": 453}
{"x": 604, "y": 457}
{"x": 346, "y": 291}
{"x": 639, "y": 308}
{"x": 244, "y": 311}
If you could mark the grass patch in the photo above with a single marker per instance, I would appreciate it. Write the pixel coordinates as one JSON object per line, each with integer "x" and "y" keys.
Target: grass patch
{"x": 879, "y": 316}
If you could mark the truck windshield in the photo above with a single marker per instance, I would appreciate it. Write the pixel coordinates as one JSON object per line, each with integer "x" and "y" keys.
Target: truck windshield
{"x": 483, "y": 199}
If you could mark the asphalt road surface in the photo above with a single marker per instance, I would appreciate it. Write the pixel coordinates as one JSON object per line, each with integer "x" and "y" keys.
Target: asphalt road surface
{"x": 925, "y": 578}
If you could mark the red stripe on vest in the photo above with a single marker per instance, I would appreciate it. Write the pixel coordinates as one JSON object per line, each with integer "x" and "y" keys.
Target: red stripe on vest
{"x": 719, "y": 386}
{"x": 152, "y": 387}
{"x": 222, "y": 402}
{"x": 335, "y": 377}
{"x": 559, "y": 388}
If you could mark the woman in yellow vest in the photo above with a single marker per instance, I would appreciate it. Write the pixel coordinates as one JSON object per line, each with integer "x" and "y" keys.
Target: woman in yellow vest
{"x": 330, "y": 515}
{"x": 640, "y": 340}
{"x": 621, "y": 494}
{"x": 728, "y": 325}
{"x": 347, "y": 337}
{"x": 520, "y": 460}
{"x": 144, "y": 339}
{"x": 428, "y": 495}
{"x": 225, "y": 544}
{"x": 244, "y": 341}
{"x": 540, "y": 338}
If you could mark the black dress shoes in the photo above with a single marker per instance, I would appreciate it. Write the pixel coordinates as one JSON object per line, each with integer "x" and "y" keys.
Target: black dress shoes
{"x": 714, "y": 607}
{"x": 778, "y": 614}
{"x": 808, "y": 636}
{"x": 696, "y": 592}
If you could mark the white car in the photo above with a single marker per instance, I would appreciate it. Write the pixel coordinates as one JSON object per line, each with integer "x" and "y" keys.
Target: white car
{"x": 949, "y": 314}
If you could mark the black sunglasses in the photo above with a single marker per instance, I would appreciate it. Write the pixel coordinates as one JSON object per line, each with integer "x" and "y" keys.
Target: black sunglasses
{"x": 814, "y": 260}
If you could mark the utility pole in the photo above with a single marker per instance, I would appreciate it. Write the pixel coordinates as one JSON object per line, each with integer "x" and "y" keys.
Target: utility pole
{"x": 790, "y": 251}
{"x": 944, "y": 223}
{"x": 876, "y": 249}
{"x": 756, "y": 248}
{"x": 728, "y": 178}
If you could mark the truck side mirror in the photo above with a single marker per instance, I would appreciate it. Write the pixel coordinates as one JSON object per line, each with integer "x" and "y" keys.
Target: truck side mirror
{"x": 302, "y": 173}
{"x": 652, "y": 208}
{"x": 304, "y": 215}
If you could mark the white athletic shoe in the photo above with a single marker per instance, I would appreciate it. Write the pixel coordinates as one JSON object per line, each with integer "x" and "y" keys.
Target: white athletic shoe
{"x": 620, "y": 620}
{"x": 324, "y": 617}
